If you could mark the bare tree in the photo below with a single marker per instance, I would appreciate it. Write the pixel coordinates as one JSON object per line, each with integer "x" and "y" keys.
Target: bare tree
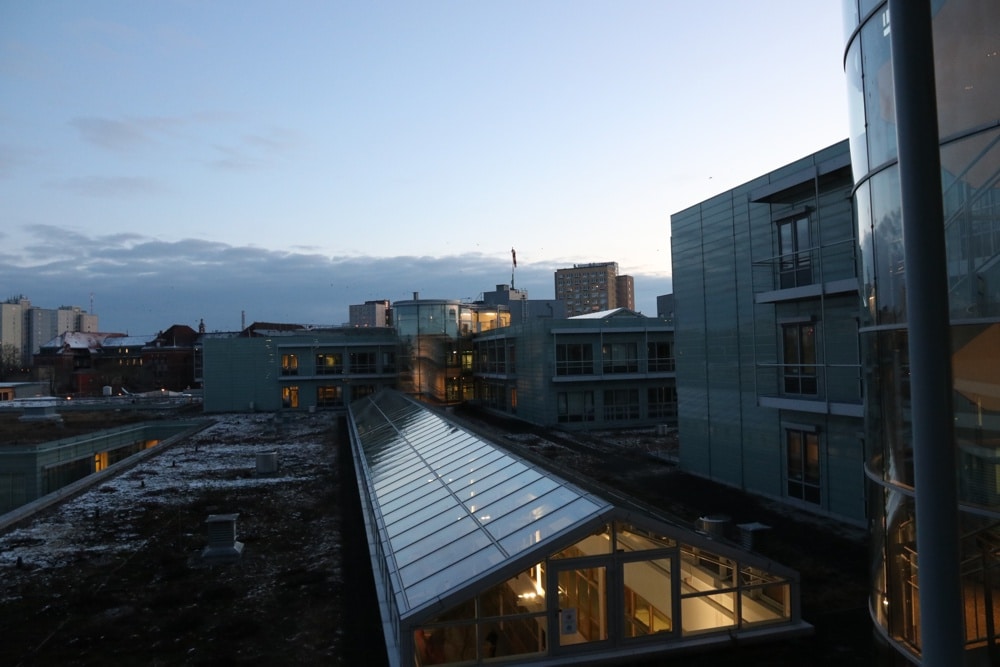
{"x": 10, "y": 360}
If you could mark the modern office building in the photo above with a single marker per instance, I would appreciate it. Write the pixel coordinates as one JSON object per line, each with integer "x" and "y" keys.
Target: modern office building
{"x": 594, "y": 287}
{"x": 435, "y": 345}
{"x": 481, "y": 557}
{"x": 296, "y": 369}
{"x": 966, "y": 45}
{"x": 766, "y": 335}
{"x": 613, "y": 369}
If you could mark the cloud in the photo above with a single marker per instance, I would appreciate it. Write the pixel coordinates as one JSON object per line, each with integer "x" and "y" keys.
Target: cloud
{"x": 141, "y": 285}
{"x": 107, "y": 186}
{"x": 111, "y": 134}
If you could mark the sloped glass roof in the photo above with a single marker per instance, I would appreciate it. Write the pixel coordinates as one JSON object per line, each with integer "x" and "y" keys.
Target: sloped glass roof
{"x": 449, "y": 505}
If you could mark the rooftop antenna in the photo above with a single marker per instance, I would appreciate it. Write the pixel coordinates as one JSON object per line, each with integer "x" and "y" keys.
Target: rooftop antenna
{"x": 513, "y": 261}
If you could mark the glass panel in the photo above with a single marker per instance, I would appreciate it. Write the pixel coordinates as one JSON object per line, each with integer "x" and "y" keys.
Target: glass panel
{"x": 432, "y": 536}
{"x": 705, "y": 571}
{"x": 519, "y": 497}
{"x": 418, "y": 512}
{"x": 472, "y": 464}
{"x": 497, "y": 486}
{"x": 632, "y": 538}
{"x": 528, "y": 514}
{"x": 597, "y": 544}
{"x": 513, "y": 636}
{"x": 445, "y": 644}
{"x": 442, "y": 570}
{"x": 523, "y": 593}
{"x": 966, "y": 73}
{"x": 583, "y": 614}
{"x": 879, "y": 107}
{"x": 704, "y": 613}
{"x": 466, "y": 486}
{"x": 648, "y": 597}
{"x": 430, "y": 489}
{"x": 548, "y": 526}
{"x": 765, "y": 604}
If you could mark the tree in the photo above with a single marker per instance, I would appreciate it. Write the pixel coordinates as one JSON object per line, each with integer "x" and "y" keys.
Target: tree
{"x": 10, "y": 360}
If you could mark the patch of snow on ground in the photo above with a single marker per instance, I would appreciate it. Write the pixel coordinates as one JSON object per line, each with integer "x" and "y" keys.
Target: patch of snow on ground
{"x": 222, "y": 456}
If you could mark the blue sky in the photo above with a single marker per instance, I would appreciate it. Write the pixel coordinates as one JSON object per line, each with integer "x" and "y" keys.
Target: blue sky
{"x": 173, "y": 161}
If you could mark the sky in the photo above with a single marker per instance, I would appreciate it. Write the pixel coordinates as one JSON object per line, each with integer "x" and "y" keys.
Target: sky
{"x": 180, "y": 161}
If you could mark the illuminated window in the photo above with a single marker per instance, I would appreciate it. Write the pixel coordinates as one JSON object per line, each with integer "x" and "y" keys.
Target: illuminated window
{"x": 290, "y": 397}
{"x": 329, "y": 364}
{"x": 329, "y": 396}
{"x": 289, "y": 364}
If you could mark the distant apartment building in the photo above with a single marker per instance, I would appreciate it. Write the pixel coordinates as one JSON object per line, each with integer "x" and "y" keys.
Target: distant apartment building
{"x": 766, "y": 296}
{"x": 28, "y": 327}
{"x": 594, "y": 287}
{"x": 371, "y": 314}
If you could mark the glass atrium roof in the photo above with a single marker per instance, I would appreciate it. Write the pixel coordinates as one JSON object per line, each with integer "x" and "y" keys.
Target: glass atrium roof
{"x": 450, "y": 506}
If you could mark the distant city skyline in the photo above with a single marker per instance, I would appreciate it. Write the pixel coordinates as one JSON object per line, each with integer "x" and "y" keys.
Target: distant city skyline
{"x": 212, "y": 157}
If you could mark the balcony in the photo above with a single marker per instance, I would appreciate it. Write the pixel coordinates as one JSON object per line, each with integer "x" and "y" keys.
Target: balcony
{"x": 833, "y": 389}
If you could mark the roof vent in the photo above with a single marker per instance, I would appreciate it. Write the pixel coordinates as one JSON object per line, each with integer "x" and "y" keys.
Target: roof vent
{"x": 715, "y": 525}
{"x": 267, "y": 462}
{"x": 222, "y": 545}
{"x": 747, "y": 531}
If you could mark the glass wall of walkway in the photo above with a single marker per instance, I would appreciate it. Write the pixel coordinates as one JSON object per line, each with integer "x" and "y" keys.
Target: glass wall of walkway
{"x": 480, "y": 556}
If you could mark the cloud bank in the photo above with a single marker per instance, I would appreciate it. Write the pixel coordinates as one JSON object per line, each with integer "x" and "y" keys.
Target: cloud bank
{"x": 140, "y": 285}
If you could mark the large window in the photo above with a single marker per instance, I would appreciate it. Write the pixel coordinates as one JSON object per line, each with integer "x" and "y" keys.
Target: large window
{"x": 575, "y": 406}
{"x": 662, "y": 402}
{"x": 799, "y": 367}
{"x": 793, "y": 246}
{"x": 289, "y": 364}
{"x": 363, "y": 362}
{"x": 290, "y": 397}
{"x": 329, "y": 364}
{"x": 620, "y": 357}
{"x": 621, "y": 404}
{"x": 803, "y": 464}
{"x": 329, "y": 396}
{"x": 574, "y": 359}
{"x": 659, "y": 357}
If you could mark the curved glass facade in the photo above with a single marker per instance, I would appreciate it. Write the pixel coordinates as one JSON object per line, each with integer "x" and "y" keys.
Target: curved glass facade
{"x": 967, "y": 71}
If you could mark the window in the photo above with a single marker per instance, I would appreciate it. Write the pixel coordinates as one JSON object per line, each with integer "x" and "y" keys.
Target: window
{"x": 574, "y": 359}
{"x": 621, "y": 404}
{"x": 799, "y": 348}
{"x": 388, "y": 361}
{"x": 793, "y": 246}
{"x": 329, "y": 364}
{"x": 620, "y": 357}
{"x": 660, "y": 357}
{"x": 803, "y": 465}
{"x": 359, "y": 390}
{"x": 289, "y": 397}
{"x": 329, "y": 396}
{"x": 363, "y": 362}
{"x": 575, "y": 406}
{"x": 289, "y": 364}
{"x": 662, "y": 402}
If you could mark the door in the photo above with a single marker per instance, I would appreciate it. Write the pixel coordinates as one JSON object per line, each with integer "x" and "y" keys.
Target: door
{"x": 577, "y": 594}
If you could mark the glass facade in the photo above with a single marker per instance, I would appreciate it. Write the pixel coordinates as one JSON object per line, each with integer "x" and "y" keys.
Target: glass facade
{"x": 480, "y": 556}
{"x": 967, "y": 72}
